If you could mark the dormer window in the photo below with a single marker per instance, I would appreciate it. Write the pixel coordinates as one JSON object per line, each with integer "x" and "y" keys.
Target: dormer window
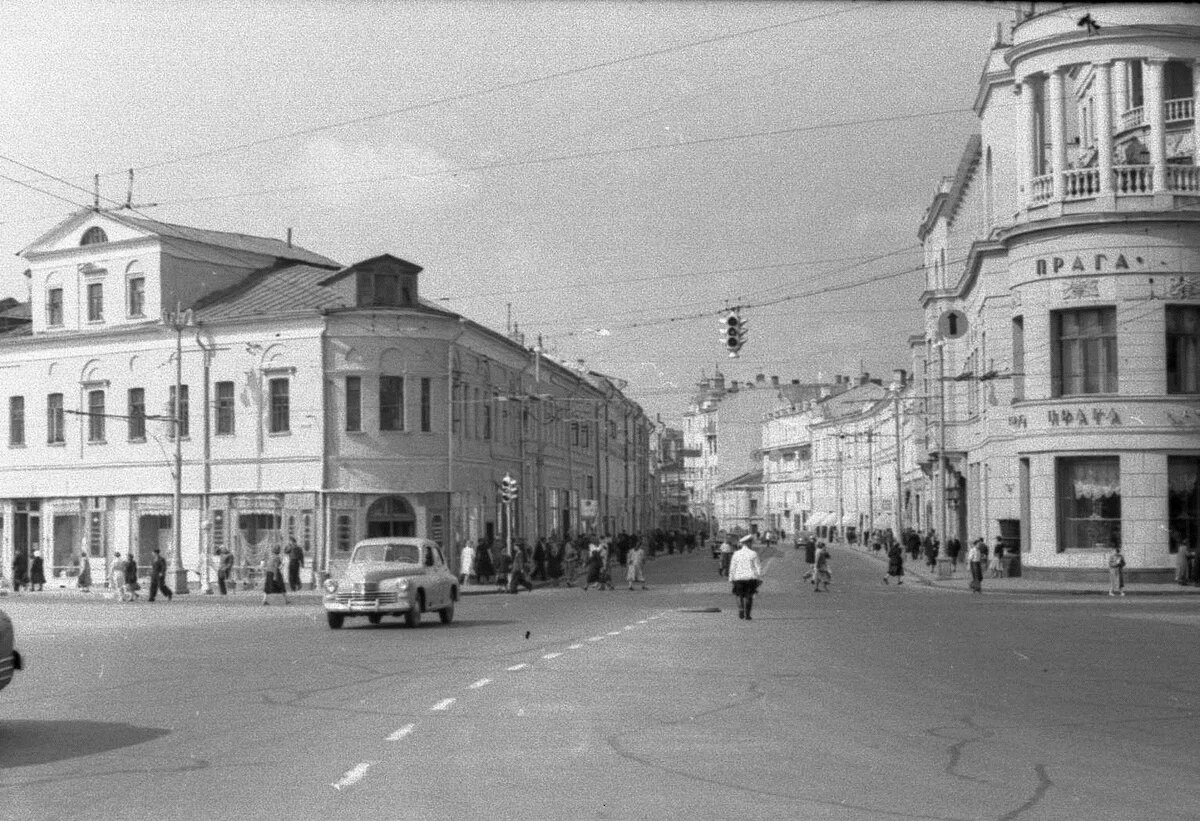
{"x": 384, "y": 288}
{"x": 94, "y": 236}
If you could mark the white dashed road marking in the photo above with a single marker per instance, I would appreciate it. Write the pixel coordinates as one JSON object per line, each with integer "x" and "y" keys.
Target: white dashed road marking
{"x": 483, "y": 682}
{"x": 643, "y": 621}
{"x": 551, "y": 655}
{"x": 402, "y": 732}
{"x": 353, "y": 775}
{"x": 575, "y": 646}
{"x": 444, "y": 704}
{"x": 596, "y": 638}
{"x": 615, "y": 633}
{"x": 516, "y": 667}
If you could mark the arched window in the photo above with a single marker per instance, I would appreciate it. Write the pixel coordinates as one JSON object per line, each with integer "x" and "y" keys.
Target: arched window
{"x": 391, "y": 516}
{"x": 93, "y": 236}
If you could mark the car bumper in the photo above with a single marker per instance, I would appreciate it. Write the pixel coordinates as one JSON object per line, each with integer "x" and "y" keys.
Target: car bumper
{"x": 365, "y": 607}
{"x": 8, "y": 664}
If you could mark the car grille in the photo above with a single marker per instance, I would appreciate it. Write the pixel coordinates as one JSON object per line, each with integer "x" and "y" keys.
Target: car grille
{"x": 367, "y": 597}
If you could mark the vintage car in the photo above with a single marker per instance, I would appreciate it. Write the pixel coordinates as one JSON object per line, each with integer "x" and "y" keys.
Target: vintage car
{"x": 10, "y": 659}
{"x": 394, "y": 576}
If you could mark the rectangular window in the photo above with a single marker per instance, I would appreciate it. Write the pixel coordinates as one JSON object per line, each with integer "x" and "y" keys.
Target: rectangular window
{"x": 487, "y": 420}
{"x": 55, "y": 433}
{"x": 95, "y": 302}
{"x": 137, "y": 295}
{"x": 426, "y": 405}
{"x": 354, "y": 403}
{"x": 95, "y": 416}
{"x": 218, "y": 528}
{"x": 54, "y": 307}
{"x": 387, "y": 289}
{"x": 183, "y": 409}
{"x": 280, "y": 406}
{"x": 1183, "y": 502}
{"x": 590, "y": 487}
{"x": 1084, "y": 355}
{"x": 1089, "y": 502}
{"x": 456, "y": 408}
{"x": 1018, "y": 359}
{"x": 391, "y": 403}
{"x": 1183, "y": 349}
{"x": 343, "y": 532}
{"x": 225, "y": 409}
{"x": 16, "y": 420}
{"x": 137, "y": 414}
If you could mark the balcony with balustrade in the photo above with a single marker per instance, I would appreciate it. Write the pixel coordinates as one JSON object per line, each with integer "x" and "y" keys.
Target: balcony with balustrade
{"x": 1108, "y": 116}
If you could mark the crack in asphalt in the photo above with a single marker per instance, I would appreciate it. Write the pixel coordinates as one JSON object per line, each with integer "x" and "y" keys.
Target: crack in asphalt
{"x": 1043, "y": 787}
{"x": 954, "y": 751}
{"x": 754, "y": 694}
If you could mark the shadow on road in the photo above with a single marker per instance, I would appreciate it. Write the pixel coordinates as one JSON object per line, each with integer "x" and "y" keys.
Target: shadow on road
{"x": 29, "y": 743}
{"x": 397, "y": 624}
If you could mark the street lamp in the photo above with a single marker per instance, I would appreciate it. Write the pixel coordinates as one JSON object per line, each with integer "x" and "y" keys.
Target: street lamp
{"x": 178, "y": 321}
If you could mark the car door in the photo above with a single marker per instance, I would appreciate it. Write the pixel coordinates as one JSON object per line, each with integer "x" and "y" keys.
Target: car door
{"x": 436, "y": 591}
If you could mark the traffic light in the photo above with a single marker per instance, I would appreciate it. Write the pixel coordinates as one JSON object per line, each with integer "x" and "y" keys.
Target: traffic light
{"x": 734, "y": 331}
{"x": 508, "y": 489}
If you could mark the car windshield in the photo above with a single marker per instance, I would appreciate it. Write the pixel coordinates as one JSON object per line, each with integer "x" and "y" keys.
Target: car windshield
{"x": 410, "y": 553}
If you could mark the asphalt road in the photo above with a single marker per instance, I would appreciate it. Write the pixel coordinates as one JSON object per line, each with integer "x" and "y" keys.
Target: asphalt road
{"x": 869, "y": 702}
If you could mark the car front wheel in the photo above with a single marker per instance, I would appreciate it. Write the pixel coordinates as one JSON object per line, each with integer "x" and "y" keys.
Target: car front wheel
{"x": 447, "y": 614}
{"x": 335, "y": 620}
{"x": 374, "y": 618}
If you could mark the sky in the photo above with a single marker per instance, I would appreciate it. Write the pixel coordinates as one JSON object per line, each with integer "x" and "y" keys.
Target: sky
{"x": 609, "y": 176}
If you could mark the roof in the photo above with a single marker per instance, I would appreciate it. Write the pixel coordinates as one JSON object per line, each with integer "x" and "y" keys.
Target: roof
{"x": 238, "y": 242}
{"x": 947, "y": 201}
{"x": 754, "y": 477}
{"x": 284, "y": 289}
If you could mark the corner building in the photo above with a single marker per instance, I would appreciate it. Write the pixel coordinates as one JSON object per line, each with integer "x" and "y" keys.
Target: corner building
{"x": 1066, "y": 408}
{"x": 317, "y": 401}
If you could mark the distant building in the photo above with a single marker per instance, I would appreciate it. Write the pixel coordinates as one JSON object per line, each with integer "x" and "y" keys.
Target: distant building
{"x": 316, "y": 401}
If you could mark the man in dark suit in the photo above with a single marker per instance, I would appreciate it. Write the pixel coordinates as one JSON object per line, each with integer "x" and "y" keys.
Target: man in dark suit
{"x": 158, "y": 576}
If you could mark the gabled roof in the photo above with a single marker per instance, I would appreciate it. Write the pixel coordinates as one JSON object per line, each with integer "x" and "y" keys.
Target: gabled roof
{"x": 264, "y": 246}
{"x": 754, "y": 477}
{"x": 402, "y": 266}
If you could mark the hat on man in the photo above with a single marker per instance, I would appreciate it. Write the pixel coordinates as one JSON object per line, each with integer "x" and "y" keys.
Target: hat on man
{"x": 747, "y": 539}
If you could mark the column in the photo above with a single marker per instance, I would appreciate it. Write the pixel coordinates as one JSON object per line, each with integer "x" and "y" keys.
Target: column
{"x": 1058, "y": 131}
{"x": 1152, "y": 95}
{"x": 1195, "y": 111}
{"x": 1120, "y": 91}
{"x": 1104, "y": 126}
{"x": 1029, "y": 164}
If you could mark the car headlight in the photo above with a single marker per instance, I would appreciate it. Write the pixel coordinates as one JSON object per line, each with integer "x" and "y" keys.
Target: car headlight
{"x": 402, "y": 585}
{"x": 330, "y": 586}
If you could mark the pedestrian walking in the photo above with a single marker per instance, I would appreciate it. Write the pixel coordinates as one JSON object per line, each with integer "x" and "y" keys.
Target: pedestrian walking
{"x": 131, "y": 577}
{"x": 931, "y": 549}
{"x": 570, "y": 562}
{"x": 745, "y": 572}
{"x": 726, "y": 554}
{"x": 84, "y": 580}
{"x": 953, "y": 549}
{"x": 224, "y": 569}
{"x": 635, "y": 565}
{"x": 895, "y": 564}
{"x": 518, "y": 573}
{"x": 273, "y": 576}
{"x": 295, "y": 561}
{"x": 975, "y": 562}
{"x": 554, "y": 562}
{"x": 466, "y": 563}
{"x": 995, "y": 563}
{"x": 595, "y": 567}
{"x": 1183, "y": 563}
{"x": 20, "y": 570}
{"x": 484, "y": 567}
{"x": 158, "y": 576}
{"x": 821, "y": 572}
{"x": 37, "y": 572}
{"x": 120, "y": 584}
{"x": 1116, "y": 572}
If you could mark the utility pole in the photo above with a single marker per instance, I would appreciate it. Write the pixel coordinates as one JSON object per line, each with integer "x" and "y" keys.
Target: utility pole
{"x": 943, "y": 559}
{"x": 870, "y": 486}
{"x": 178, "y": 322}
{"x": 898, "y": 519}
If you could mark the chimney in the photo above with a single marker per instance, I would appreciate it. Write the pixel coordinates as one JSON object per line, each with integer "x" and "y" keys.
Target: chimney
{"x": 900, "y": 377}
{"x": 864, "y": 379}
{"x": 795, "y": 381}
{"x": 760, "y": 378}
{"x": 733, "y": 386}
{"x": 774, "y": 381}
{"x": 289, "y": 238}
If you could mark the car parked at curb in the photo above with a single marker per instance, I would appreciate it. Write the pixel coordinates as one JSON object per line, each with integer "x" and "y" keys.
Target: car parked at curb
{"x": 392, "y": 576}
{"x": 10, "y": 659}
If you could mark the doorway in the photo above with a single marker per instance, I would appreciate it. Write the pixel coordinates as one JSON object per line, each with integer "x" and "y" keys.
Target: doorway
{"x": 391, "y": 516}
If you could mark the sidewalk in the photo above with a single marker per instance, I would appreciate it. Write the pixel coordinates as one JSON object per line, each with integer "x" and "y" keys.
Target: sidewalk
{"x": 920, "y": 572}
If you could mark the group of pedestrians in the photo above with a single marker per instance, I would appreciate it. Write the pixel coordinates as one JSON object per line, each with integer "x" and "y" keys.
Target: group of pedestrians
{"x": 588, "y": 559}
{"x": 28, "y": 571}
